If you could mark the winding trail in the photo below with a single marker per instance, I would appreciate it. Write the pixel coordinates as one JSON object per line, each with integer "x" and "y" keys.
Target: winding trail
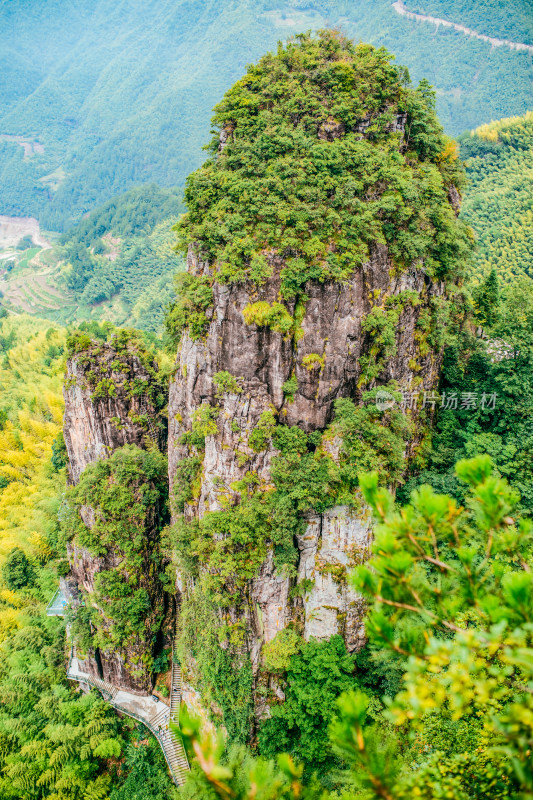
{"x": 399, "y": 7}
{"x": 153, "y": 713}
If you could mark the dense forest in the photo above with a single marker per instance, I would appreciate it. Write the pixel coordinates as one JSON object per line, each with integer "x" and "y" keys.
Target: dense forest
{"x": 120, "y": 96}
{"x": 56, "y": 742}
{"x": 497, "y": 203}
{"x": 125, "y": 248}
{"x": 117, "y": 264}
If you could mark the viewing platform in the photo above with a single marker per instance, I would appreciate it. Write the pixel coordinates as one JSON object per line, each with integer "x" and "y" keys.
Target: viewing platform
{"x": 57, "y": 605}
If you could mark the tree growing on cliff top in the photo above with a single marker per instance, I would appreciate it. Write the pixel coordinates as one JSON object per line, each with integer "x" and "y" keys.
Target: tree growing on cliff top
{"x": 322, "y": 151}
{"x": 452, "y": 593}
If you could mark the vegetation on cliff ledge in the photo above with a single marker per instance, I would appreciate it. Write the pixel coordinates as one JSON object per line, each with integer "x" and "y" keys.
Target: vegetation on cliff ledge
{"x": 127, "y": 495}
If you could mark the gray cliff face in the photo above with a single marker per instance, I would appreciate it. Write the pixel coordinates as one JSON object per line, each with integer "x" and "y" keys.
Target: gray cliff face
{"x": 109, "y": 403}
{"x": 262, "y": 360}
{"x": 97, "y": 421}
{"x": 334, "y": 542}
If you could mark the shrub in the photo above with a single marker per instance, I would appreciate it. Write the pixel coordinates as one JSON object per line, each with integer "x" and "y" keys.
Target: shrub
{"x": 263, "y": 431}
{"x": 313, "y": 360}
{"x": 226, "y": 382}
{"x": 204, "y": 420}
{"x": 187, "y": 312}
{"x": 277, "y": 653}
{"x": 17, "y": 571}
{"x": 274, "y": 316}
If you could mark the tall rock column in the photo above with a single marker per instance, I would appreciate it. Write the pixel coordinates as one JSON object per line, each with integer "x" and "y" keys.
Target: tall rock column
{"x": 114, "y": 431}
{"x": 324, "y": 253}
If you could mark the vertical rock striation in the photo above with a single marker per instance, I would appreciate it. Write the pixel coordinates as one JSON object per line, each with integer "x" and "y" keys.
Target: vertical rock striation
{"x": 113, "y": 396}
{"x": 110, "y": 401}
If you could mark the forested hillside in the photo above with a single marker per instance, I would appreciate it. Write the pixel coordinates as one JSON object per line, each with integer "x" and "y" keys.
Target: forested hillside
{"x": 103, "y": 97}
{"x": 116, "y": 264}
{"x": 124, "y": 252}
{"x": 498, "y": 200}
{"x": 56, "y": 742}
{"x": 345, "y": 584}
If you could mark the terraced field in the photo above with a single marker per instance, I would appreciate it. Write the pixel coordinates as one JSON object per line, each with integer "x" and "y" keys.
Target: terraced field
{"x": 34, "y": 286}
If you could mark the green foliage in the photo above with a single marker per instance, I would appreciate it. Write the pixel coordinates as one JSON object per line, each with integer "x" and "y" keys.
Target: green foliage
{"x": 313, "y": 360}
{"x": 497, "y": 204}
{"x": 25, "y": 243}
{"x": 310, "y": 193}
{"x": 55, "y": 742}
{"x": 127, "y": 492}
{"x": 224, "y": 676}
{"x": 263, "y": 431}
{"x": 381, "y": 324}
{"x": 454, "y": 600}
{"x": 277, "y": 653}
{"x": 134, "y": 212}
{"x": 486, "y": 297}
{"x": 230, "y": 545}
{"x": 118, "y": 261}
{"x": 105, "y": 388}
{"x": 290, "y": 387}
{"x": 105, "y": 376}
{"x": 186, "y": 473}
{"x": 268, "y": 315}
{"x": 452, "y": 593}
{"x": 204, "y": 420}
{"x": 17, "y": 571}
{"x": 225, "y": 382}
{"x": 143, "y": 774}
{"x": 234, "y": 772}
{"x": 371, "y": 438}
{"x": 315, "y": 678}
{"x": 498, "y": 373}
{"x": 187, "y": 312}
{"x": 30, "y": 417}
{"x": 77, "y": 342}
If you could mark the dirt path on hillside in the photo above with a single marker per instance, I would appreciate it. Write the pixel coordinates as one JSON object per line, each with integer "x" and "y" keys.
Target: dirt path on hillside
{"x": 399, "y": 7}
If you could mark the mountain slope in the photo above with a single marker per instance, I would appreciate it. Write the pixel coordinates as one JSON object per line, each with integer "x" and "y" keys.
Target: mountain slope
{"x": 120, "y": 95}
{"x": 498, "y": 202}
{"x": 117, "y": 264}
